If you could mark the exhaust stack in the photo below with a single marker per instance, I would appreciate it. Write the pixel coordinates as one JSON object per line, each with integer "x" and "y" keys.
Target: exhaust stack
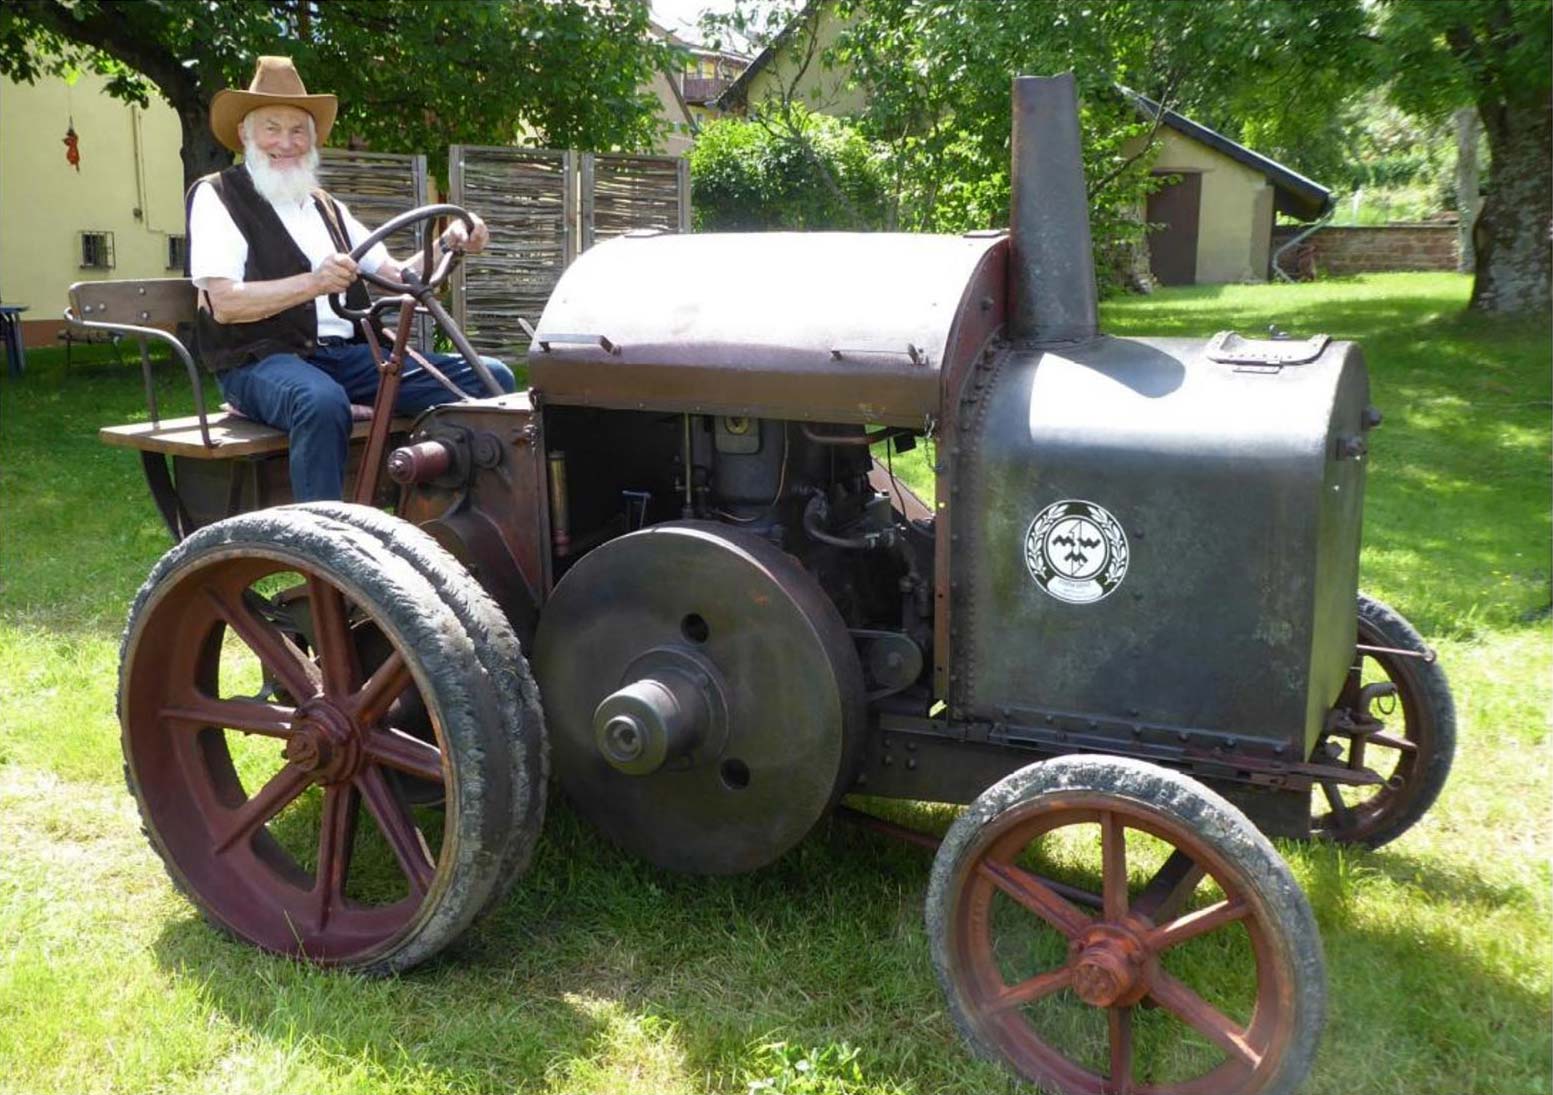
{"x": 1052, "y": 271}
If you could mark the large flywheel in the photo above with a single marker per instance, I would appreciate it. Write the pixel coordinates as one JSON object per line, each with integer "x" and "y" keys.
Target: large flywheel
{"x": 704, "y": 697}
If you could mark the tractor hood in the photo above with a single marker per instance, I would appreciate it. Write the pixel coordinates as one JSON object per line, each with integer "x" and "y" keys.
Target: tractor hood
{"x": 825, "y": 326}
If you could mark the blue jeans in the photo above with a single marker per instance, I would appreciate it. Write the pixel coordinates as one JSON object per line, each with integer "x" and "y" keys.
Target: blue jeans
{"x": 310, "y": 398}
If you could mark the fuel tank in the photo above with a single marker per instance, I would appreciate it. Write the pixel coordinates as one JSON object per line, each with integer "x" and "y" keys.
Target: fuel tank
{"x": 1160, "y": 537}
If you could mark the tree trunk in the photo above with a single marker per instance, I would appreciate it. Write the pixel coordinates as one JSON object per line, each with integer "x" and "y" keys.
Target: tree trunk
{"x": 201, "y": 152}
{"x": 1467, "y": 200}
{"x": 1515, "y": 228}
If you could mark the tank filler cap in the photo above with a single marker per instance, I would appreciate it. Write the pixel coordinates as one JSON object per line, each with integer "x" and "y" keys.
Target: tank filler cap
{"x": 1229, "y": 348}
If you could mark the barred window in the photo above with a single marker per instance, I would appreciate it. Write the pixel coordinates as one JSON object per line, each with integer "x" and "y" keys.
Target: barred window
{"x": 177, "y": 249}
{"x": 96, "y": 250}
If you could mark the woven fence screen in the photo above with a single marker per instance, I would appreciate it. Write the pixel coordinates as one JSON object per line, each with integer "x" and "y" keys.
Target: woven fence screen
{"x": 527, "y": 197}
{"x": 622, "y": 193}
{"x": 375, "y": 187}
{"x": 545, "y": 207}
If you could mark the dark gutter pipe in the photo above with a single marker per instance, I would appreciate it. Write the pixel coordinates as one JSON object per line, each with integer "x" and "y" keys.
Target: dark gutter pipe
{"x": 1052, "y": 265}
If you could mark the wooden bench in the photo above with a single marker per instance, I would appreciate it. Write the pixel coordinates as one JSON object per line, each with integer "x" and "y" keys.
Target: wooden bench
{"x": 230, "y": 436}
{"x": 210, "y": 464}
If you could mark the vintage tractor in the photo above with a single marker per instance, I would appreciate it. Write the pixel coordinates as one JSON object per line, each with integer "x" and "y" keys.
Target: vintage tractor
{"x": 1124, "y": 629}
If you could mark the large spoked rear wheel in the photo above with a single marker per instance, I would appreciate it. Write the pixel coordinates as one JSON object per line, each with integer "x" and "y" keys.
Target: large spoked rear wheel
{"x": 268, "y": 777}
{"x": 1104, "y": 925}
{"x": 500, "y": 655}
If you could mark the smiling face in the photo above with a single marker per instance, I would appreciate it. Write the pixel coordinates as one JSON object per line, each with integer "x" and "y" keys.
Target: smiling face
{"x": 283, "y": 135}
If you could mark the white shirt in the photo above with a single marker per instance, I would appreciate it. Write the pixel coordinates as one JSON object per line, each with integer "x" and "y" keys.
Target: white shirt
{"x": 218, "y": 250}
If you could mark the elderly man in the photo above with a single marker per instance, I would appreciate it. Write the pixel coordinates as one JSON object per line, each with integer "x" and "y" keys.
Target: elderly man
{"x": 266, "y": 248}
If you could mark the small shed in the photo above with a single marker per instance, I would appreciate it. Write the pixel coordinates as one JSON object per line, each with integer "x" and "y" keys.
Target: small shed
{"x": 1214, "y": 223}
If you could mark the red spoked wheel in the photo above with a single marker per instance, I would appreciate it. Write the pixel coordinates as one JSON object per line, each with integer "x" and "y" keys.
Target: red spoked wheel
{"x": 270, "y": 779}
{"x": 502, "y": 657}
{"x": 1104, "y": 925}
{"x": 1400, "y": 725}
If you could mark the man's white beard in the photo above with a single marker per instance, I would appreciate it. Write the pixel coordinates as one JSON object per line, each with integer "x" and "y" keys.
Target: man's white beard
{"x": 281, "y": 187}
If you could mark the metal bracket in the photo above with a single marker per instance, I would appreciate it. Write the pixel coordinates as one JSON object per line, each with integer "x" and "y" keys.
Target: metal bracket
{"x": 917, "y": 355}
{"x": 601, "y": 341}
{"x": 1229, "y": 348}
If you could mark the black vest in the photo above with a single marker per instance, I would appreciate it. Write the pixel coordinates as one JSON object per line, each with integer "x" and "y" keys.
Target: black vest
{"x": 272, "y": 254}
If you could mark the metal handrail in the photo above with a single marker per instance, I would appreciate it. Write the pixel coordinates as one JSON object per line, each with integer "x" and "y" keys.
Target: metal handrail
{"x": 143, "y": 333}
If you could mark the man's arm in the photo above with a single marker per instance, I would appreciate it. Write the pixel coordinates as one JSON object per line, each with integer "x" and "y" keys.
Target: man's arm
{"x": 250, "y": 301}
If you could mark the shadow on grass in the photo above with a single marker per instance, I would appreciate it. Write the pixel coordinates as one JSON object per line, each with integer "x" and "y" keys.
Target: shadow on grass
{"x": 592, "y": 941}
{"x": 824, "y": 948}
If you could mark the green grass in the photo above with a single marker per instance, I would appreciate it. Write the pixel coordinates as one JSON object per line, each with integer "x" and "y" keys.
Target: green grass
{"x": 602, "y": 974}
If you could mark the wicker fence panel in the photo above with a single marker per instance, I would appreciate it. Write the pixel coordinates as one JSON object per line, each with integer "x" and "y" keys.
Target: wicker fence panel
{"x": 376, "y": 186}
{"x": 545, "y": 207}
{"x": 527, "y": 197}
{"x": 622, "y": 193}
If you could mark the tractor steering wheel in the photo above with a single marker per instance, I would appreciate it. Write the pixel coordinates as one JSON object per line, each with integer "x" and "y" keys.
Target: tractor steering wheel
{"x": 421, "y": 288}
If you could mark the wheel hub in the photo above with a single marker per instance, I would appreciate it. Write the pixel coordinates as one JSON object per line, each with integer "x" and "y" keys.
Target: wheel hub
{"x": 324, "y": 742}
{"x": 1108, "y": 966}
{"x": 658, "y": 717}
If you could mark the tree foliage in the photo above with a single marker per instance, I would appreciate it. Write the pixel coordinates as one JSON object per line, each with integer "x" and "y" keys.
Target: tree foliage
{"x": 410, "y": 76}
{"x": 937, "y": 76}
{"x": 935, "y": 81}
{"x": 756, "y": 176}
{"x": 1288, "y": 79}
{"x": 1496, "y": 55}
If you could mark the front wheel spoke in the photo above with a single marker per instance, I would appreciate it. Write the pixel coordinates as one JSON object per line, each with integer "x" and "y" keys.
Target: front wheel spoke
{"x": 336, "y": 835}
{"x": 1033, "y": 989}
{"x": 405, "y": 753}
{"x": 392, "y": 815}
{"x": 336, "y": 651}
{"x": 1387, "y": 741}
{"x": 1175, "y": 997}
{"x": 282, "y": 661}
{"x": 273, "y": 797}
{"x": 1194, "y": 924}
{"x": 1113, "y": 865}
{"x": 1035, "y": 895}
{"x": 1342, "y": 816}
{"x": 1119, "y": 1022}
{"x": 249, "y": 716}
{"x": 387, "y": 683}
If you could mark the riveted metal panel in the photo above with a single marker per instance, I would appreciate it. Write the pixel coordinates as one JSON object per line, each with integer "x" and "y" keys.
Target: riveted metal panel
{"x": 1236, "y": 514}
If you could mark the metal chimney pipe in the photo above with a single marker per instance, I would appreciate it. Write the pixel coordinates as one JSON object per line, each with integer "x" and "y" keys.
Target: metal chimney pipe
{"x": 1052, "y": 266}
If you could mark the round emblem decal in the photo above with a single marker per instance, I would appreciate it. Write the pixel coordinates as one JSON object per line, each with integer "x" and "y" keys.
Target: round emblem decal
{"x": 1076, "y": 551}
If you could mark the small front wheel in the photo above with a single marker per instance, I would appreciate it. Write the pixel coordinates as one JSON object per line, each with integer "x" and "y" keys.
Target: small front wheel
{"x": 1103, "y": 925}
{"x": 1402, "y": 727}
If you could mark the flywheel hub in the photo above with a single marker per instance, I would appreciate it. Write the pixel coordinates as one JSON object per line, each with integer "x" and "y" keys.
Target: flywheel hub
{"x": 704, "y": 696}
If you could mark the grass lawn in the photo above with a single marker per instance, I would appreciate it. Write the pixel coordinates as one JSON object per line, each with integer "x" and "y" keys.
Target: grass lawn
{"x": 602, "y": 974}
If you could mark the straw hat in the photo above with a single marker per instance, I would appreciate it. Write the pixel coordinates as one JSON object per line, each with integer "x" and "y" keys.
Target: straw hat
{"x": 275, "y": 83}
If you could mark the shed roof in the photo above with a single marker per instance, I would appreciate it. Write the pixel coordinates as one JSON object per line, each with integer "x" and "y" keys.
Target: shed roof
{"x": 1294, "y": 194}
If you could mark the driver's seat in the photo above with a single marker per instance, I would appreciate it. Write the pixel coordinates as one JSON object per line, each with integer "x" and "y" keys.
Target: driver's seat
{"x": 221, "y": 463}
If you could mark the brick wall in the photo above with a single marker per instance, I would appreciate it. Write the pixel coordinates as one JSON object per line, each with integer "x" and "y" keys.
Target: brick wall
{"x": 1377, "y": 249}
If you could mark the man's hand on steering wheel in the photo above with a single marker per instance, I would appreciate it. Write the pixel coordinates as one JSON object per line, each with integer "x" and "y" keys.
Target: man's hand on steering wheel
{"x": 466, "y": 233}
{"x": 336, "y": 273}
{"x": 460, "y": 237}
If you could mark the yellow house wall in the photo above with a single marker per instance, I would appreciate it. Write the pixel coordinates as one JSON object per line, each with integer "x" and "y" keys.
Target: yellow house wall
{"x": 822, "y": 90}
{"x": 1236, "y": 217}
{"x": 677, "y": 138}
{"x": 129, "y": 161}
